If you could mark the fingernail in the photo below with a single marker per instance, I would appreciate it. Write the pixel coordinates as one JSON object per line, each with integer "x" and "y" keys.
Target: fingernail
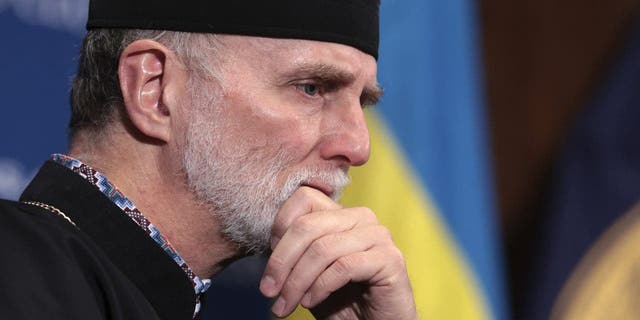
{"x": 268, "y": 286}
{"x": 274, "y": 242}
{"x": 306, "y": 300}
{"x": 278, "y": 307}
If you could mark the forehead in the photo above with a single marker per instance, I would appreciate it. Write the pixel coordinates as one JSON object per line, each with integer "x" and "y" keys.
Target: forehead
{"x": 285, "y": 55}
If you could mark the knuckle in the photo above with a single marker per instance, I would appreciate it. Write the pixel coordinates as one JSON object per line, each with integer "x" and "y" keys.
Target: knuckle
{"x": 275, "y": 263}
{"x": 396, "y": 257}
{"x": 323, "y": 284}
{"x": 304, "y": 225}
{"x": 342, "y": 266}
{"x": 308, "y": 193}
{"x": 384, "y": 233}
{"x": 368, "y": 214}
{"x": 320, "y": 247}
{"x": 293, "y": 285}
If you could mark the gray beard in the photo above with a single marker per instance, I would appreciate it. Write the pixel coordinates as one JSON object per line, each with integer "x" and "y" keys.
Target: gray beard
{"x": 239, "y": 186}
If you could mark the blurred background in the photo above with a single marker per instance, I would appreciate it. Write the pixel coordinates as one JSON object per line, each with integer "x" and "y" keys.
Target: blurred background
{"x": 506, "y": 144}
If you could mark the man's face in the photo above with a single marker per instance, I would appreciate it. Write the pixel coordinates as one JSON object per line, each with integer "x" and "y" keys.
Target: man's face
{"x": 286, "y": 113}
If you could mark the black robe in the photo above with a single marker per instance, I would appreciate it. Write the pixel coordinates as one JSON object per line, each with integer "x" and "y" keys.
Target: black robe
{"x": 105, "y": 268}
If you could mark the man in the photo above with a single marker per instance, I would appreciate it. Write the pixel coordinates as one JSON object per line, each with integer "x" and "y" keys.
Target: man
{"x": 228, "y": 132}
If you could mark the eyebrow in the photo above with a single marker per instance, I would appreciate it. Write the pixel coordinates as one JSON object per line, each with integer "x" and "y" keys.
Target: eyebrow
{"x": 371, "y": 95}
{"x": 336, "y": 77}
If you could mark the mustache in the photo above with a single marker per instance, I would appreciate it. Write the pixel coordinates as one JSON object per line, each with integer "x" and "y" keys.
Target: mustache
{"x": 329, "y": 181}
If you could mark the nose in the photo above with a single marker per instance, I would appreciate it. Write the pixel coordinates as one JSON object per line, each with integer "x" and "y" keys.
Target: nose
{"x": 347, "y": 135}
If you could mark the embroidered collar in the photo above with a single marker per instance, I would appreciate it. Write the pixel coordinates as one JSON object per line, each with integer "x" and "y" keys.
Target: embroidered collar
{"x": 119, "y": 199}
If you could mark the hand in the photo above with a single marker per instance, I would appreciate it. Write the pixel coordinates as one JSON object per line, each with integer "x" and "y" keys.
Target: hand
{"x": 339, "y": 262}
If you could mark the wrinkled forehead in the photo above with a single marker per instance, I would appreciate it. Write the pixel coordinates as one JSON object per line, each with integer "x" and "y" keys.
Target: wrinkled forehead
{"x": 285, "y": 56}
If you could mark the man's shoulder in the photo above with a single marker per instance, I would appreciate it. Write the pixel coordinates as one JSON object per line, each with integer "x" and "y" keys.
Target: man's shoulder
{"x": 33, "y": 218}
{"x": 9, "y": 205}
{"x": 43, "y": 237}
{"x": 29, "y": 232}
{"x": 37, "y": 261}
{"x": 50, "y": 269}
{"x": 43, "y": 242}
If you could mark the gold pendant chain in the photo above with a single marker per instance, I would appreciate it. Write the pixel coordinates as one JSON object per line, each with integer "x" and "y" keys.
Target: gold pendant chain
{"x": 50, "y": 208}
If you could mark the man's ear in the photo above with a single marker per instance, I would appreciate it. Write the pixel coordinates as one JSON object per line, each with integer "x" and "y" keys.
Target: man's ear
{"x": 142, "y": 70}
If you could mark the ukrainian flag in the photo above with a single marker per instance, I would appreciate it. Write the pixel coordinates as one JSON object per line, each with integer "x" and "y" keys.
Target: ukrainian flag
{"x": 429, "y": 177}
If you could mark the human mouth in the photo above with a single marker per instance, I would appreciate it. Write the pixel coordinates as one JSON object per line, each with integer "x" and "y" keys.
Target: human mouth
{"x": 324, "y": 188}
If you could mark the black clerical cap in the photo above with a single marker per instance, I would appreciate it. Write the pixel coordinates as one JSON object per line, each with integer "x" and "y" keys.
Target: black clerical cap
{"x": 350, "y": 22}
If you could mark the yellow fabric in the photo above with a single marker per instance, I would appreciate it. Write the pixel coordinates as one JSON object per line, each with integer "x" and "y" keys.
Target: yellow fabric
{"x": 443, "y": 286}
{"x": 605, "y": 283}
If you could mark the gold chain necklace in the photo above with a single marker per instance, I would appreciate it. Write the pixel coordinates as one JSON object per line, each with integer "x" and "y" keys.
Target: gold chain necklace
{"x": 50, "y": 208}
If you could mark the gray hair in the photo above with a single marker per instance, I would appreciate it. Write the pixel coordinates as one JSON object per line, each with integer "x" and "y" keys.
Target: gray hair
{"x": 96, "y": 99}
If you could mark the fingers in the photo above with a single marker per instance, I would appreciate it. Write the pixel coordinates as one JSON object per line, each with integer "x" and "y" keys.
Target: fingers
{"x": 301, "y": 234}
{"x": 321, "y": 254}
{"x": 303, "y": 201}
{"x": 376, "y": 267}
{"x": 319, "y": 247}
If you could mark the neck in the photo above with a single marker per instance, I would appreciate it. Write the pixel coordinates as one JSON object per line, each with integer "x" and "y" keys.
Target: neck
{"x": 159, "y": 189}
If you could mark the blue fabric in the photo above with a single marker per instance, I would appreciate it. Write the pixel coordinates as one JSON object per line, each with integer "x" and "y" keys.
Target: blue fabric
{"x": 597, "y": 178}
{"x": 434, "y": 104}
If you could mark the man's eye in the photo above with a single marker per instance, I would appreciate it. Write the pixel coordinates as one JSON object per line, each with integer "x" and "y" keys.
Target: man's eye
{"x": 310, "y": 89}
